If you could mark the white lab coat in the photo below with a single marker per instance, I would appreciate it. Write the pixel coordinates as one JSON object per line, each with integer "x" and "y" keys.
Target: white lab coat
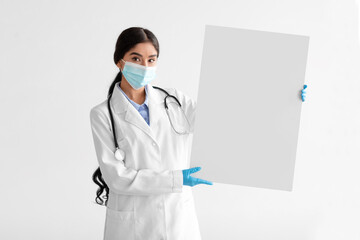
{"x": 147, "y": 199}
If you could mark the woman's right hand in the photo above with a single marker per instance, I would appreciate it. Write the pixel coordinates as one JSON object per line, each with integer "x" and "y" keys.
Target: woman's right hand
{"x": 192, "y": 181}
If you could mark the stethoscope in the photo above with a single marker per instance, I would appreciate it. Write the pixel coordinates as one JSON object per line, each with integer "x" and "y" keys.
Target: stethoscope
{"x": 119, "y": 153}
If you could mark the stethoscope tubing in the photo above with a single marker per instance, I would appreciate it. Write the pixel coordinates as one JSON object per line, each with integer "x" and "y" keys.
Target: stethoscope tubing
{"x": 112, "y": 119}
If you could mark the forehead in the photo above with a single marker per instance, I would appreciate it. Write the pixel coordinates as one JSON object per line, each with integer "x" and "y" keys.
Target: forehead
{"x": 143, "y": 50}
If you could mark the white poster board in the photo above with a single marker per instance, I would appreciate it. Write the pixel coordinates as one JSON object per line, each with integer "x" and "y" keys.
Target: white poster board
{"x": 248, "y": 107}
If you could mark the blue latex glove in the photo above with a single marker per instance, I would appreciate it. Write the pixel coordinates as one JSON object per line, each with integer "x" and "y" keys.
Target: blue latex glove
{"x": 303, "y": 92}
{"x": 192, "y": 181}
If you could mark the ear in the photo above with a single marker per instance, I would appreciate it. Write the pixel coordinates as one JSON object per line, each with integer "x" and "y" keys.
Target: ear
{"x": 119, "y": 64}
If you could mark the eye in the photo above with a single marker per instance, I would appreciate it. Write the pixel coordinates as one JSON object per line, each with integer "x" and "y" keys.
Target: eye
{"x": 153, "y": 60}
{"x": 135, "y": 58}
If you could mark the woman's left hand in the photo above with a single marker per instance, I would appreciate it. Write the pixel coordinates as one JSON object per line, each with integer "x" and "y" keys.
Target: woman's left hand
{"x": 192, "y": 181}
{"x": 303, "y": 92}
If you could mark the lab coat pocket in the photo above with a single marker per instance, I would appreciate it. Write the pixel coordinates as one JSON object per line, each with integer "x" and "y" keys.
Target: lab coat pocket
{"x": 186, "y": 201}
{"x": 119, "y": 225}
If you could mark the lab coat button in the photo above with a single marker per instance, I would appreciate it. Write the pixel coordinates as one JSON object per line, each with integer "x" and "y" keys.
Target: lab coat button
{"x": 153, "y": 143}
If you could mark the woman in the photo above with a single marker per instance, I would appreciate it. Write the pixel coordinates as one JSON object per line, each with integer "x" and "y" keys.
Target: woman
{"x": 144, "y": 177}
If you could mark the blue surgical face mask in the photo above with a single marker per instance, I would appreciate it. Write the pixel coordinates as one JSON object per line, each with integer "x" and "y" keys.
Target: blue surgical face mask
{"x": 138, "y": 75}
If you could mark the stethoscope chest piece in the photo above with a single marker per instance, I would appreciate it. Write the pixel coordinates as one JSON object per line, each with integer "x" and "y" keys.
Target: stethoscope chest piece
{"x": 119, "y": 154}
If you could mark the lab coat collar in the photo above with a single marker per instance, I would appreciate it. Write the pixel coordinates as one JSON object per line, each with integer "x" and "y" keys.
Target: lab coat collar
{"x": 121, "y": 104}
{"x": 136, "y": 105}
{"x": 125, "y": 110}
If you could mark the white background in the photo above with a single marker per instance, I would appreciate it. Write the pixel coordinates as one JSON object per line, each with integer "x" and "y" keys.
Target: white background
{"x": 57, "y": 62}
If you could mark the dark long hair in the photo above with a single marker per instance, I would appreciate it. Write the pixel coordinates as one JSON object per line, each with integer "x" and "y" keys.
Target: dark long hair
{"x": 126, "y": 40}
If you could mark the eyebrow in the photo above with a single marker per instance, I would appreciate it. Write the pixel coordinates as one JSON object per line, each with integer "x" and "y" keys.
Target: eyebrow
{"x": 135, "y": 53}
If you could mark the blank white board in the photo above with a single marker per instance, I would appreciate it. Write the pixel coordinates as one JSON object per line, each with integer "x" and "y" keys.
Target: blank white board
{"x": 248, "y": 107}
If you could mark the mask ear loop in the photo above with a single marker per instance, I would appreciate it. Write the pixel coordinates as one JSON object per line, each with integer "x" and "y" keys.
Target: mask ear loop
{"x": 124, "y": 65}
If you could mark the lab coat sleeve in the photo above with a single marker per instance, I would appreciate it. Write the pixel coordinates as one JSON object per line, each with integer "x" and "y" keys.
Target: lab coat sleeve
{"x": 189, "y": 106}
{"x": 118, "y": 177}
